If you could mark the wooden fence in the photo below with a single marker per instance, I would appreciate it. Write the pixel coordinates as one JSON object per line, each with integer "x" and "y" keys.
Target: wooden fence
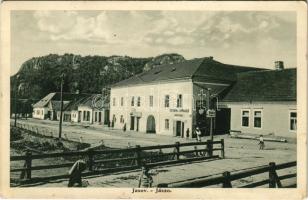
{"x": 116, "y": 160}
{"x": 226, "y": 178}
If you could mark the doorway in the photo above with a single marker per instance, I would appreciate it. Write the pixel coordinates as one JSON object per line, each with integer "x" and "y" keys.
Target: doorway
{"x": 132, "y": 122}
{"x": 179, "y": 128}
{"x": 151, "y": 124}
{"x": 222, "y": 121}
{"x": 137, "y": 126}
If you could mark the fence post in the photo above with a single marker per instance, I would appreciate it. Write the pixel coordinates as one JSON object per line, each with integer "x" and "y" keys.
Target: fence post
{"x": 177, "y": 149}
{"x": 91, "y": 161}
{"x": 196, "y": 151}
{"x": 28, "y": 164}
{"x": 222, "y": 148}
{"x": 209, "y": 145}
{"x": 227, "y": 181}
{"x": 272, "y": 178}
{"x": 138, "y": 155}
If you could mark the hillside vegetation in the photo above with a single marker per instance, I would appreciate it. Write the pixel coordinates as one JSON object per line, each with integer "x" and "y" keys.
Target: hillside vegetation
{"x": 87, "y": 74}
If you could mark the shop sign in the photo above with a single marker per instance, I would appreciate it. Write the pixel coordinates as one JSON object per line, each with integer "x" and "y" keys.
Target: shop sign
{"x": 179, "y": 110}
{"x": 211, "y": 113}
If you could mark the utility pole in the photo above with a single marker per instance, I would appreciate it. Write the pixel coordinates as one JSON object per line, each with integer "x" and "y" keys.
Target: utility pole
{"x": 15, "y": 100}
{"x": 61, "y": 107}
{"x": 208, "y": 102}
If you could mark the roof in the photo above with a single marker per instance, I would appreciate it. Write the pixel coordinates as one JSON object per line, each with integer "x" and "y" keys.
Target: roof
{"x": 269, "y": 85}
{"x": 56, "y": 96}
{"x": 92, "y": 101}
{"x": 44, "y": 101}
{"x": 195, "y": 68}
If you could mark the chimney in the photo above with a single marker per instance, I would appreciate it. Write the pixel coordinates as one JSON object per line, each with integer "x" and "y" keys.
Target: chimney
{"x": 279, "y": 65}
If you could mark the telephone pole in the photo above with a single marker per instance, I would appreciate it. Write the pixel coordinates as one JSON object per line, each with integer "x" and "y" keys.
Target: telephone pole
{"x": 61, "y": 107}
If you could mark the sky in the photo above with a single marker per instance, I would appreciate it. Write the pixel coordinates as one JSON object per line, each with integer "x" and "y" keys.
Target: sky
{"x": 245, "y": 38}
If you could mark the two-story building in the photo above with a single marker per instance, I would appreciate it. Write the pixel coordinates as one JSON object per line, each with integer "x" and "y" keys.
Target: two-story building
{"x": 171, "y": 99}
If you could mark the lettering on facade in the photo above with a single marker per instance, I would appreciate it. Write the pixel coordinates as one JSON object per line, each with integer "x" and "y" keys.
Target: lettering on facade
{"x": 179, "y": 110}
{"x": 178, "y": 115}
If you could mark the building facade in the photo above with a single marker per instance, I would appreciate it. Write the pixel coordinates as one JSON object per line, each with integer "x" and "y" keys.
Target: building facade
{"x": 264, "y": 103}
{"x": 169, "y": 99}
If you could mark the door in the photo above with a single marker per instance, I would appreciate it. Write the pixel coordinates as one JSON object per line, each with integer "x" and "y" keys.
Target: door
{"x": 132, "y": 122}
{"x": 222, "y": 121}
{"x": 151, "y": 124}
{"x": 79, "y": 116}
{"x": 99, "y": 117}
{"x": 138, "y": 119}
{"x": 178, "y": 129}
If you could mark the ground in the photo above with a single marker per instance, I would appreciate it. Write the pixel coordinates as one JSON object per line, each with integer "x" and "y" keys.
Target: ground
{"x": 239, "y": 154}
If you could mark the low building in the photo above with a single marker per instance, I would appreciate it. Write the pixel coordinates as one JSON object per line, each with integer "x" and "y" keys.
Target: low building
{"x": 263, "y": 102}
{"x": 171, "y": 99}
{"x": 94, "y": 109}
{"x": 41, "y": 108}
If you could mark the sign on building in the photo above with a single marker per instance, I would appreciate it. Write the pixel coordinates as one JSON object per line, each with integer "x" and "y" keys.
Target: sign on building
{"x": 211, "y": 113}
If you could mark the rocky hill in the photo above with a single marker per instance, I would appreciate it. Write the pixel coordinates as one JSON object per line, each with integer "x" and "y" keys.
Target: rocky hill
{"x": 87, "y": 74}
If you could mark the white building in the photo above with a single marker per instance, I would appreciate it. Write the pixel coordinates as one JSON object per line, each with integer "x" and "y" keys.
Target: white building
{"x": 165, "y": 100}
{"x": 264, "y": 103}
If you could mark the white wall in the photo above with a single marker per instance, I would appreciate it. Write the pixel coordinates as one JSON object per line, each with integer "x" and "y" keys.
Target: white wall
{"x": 39, "y": 113}
{"x": 160, "y": 113}
{"x": 85, "y": 108}
{"x": 275, "y": 117}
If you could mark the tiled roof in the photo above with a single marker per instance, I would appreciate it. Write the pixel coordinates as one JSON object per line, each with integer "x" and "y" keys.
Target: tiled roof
{"x": 195, "y": 68}
{"x": 269, "y": 85}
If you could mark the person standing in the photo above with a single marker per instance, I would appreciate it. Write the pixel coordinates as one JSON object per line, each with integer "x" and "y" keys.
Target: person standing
{"x": 187, "y": 133}
{"x": 261, "y": 142}
{"x": 75, "y": 173}
{"x": 145, "y": 179}
{"x": 198, "y": 133}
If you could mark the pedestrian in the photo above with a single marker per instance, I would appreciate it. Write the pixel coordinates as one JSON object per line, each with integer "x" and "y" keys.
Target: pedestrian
{"x": 124, "y": 127}
{"x": 261, "y": 142}
{"x": 75, "y": 173}
{"x": 198, "y": 133}
{"x": 187, "y": 133}
{"x": 145, "y": 179}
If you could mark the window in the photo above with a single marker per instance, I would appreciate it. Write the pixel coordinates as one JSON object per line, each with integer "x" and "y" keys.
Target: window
{"x": 167, "y": 124}
{"x": 179, "y": 101}
{"x": 121, "y": 119}
{"x": 113, "y": 101}
{"x": 139, "y": 101}
{"x": 257, "y": 119}
{"x": 151, "y": 101}
{"x": 245, "y": 118}
{"x": 293, "y": 121}
{"x": 167, "y": 97}
{"x": 122, "y": 101}
{"x": 133, "y": 101}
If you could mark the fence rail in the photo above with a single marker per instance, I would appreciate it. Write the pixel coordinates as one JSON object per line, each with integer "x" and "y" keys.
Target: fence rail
{"x": 107, "y": 161}
{"x": 226, "y": 178}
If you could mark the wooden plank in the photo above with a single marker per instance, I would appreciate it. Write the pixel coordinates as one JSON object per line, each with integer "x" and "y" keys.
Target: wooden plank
{"x": 165, "y": 146}
{"x": 198, "y": 183}
{"x": 286, "y": 165}
{"x": 114, "y": 160}
{"x": 44, "y": 167}
{"x": 247, "y": 173}
{"x": 179, "y": 161}
{"x": 287, "y": 176}
{"x": 255, "y": 184}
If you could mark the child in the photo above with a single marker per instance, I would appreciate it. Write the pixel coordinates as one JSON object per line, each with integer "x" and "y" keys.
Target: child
{"x": 145, "y": 179}
{"x": 261, "y": 142}
{"x": 75, "y": 173}
{"x": 198, "y": 133}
